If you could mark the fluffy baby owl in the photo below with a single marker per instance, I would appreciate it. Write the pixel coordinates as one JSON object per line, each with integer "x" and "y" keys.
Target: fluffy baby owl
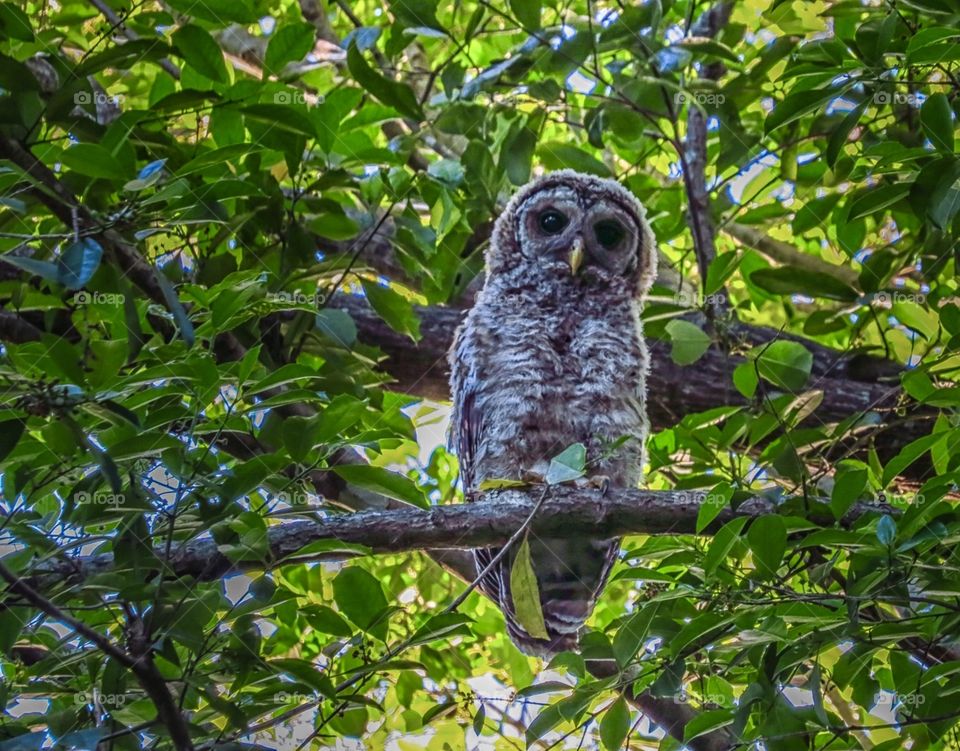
{"x": 553, "y": 354}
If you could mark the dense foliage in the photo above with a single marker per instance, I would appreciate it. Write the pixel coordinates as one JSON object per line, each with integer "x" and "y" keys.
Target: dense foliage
{"x": 196, "y": 196}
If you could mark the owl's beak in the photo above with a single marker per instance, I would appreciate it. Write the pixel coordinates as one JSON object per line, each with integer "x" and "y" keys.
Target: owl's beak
{"x": 575, "y": 258}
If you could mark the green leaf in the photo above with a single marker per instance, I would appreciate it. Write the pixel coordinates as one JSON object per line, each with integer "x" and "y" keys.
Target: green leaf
{"x": 840, "y": 134}
{"x": 392, "y": 93}
{"x": 360, "y": 597}
{"x": 767, "y": 537}
{"x": 908, "y": 455}
{"x": 745, "y": 379}
{"x": 287, "y": 117}
{"x": 218, "y": 11}
{"x": 789, "y": 280}
{"x": 527, "y": 12}
{"x": 382, "y": 481}
{"x": 93, "y": 160}
{"x": 517, "y": 154}
{"x": 722, "y": 543}
{"x": 328, "y": 621}
{"x": 14, "y": 23}
{"x": 936, "y": 117}
{"x": 847, "y": 488}
{"x": 78, "y": 263}
{"x": 289, "y": 43}
{"x": 569, "y": 464}
{"x": 785, "y": 364}
{"x": 713, "y": 503}
{"x": 201, "y": 52}
{"x": 709, "y": 48}
{"x": 10, "y": 432}
{"x": 797, "y": 104}
{"x": 440, "y": 626}
{"x": 393, "y": 308}
{"x": 525, "y": 593}
{"x": 876, "y": 200}
{"x": 615, "y": 725}
{"x": 886, "y": 530}
{"x": 556, "y": 155}
{"x": 688, "y": 341}
{"x": 706, "y": 721}
{"x": 184, "y": 324}
{"x": 721, "y": 269}
{"x": 633, "y": 633}
{"x": 338, "y": 325}
{"x": 479, "y": 719}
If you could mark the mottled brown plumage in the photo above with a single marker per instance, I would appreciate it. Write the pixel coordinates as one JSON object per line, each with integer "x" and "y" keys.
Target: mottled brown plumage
{"x": 552, "y": 354}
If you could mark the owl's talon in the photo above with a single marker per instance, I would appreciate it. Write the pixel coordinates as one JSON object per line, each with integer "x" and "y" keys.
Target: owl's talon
{"x": 594, "y": 482}
{"x": 532, "y": 477}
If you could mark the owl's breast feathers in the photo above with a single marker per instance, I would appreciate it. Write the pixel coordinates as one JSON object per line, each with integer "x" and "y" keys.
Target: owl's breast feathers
{"x": 533, "y": 373}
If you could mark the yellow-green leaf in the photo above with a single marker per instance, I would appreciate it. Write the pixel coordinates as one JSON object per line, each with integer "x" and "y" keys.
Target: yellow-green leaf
{"x": 526, "y": 594}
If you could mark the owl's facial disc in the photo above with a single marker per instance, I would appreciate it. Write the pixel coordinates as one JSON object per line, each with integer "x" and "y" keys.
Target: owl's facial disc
{"x": 579, "y": 235}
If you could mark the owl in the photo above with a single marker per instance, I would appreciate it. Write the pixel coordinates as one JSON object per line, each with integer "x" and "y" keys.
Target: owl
{"x": 553, "y": 354}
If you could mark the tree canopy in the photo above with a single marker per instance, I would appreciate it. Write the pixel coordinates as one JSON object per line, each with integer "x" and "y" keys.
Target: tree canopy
{"x": 236, "y": 238}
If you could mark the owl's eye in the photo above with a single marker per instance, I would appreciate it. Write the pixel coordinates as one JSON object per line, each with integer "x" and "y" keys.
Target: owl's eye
{"x": 609, "y": 233}
{"x": 552, "y": 222}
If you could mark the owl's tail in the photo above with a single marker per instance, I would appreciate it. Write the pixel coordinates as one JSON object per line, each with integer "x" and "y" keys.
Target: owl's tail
{"x": 570, "y": 576}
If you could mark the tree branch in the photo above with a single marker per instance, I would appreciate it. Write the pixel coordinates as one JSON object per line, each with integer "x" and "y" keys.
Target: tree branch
{"x": 65, "y": 206}
{"x": 140, "y": 663}
{"x": 785, "y": 253}
{"x": 567, "y": 511}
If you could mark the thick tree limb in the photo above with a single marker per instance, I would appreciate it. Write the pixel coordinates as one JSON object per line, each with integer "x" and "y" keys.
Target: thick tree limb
{"x": 850, "y": 385}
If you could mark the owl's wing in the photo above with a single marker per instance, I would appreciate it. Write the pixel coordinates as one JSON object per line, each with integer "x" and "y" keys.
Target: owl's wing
{"x": 468, "y": 429}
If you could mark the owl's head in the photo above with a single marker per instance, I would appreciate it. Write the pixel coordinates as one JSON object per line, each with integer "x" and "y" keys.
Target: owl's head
{"x": 568, "y": 224}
